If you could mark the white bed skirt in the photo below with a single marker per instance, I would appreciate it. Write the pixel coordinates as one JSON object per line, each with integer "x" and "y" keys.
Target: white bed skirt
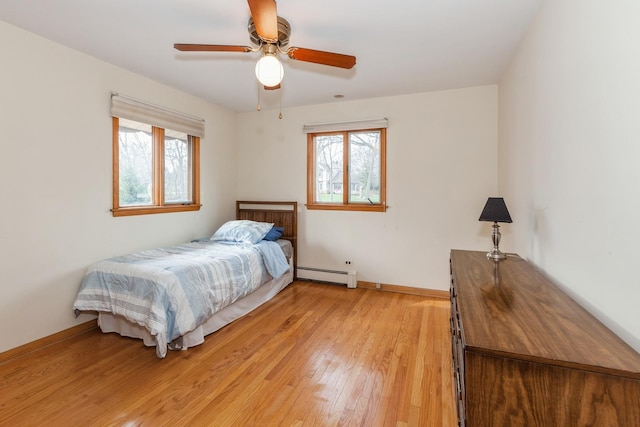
{"x": 109, "y": 322}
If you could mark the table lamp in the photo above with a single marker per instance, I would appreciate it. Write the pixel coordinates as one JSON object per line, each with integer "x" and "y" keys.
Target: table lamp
{"x": 495, "y": 210}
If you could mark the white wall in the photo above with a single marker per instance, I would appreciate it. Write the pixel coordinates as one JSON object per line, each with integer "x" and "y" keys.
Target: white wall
{"x": 441, "y": 167}
{"x": 55, "y": 179}
{"x": 569, "y": 153}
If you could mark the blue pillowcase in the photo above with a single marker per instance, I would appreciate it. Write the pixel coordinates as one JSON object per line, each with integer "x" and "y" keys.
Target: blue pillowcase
{"x": 274, "y": 234}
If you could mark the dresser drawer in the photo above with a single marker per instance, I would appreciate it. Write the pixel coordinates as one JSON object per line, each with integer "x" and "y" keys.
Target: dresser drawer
{"x": 457, "y": 350}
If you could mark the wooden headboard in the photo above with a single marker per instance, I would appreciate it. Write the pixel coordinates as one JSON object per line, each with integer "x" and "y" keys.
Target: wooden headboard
{"x": 281, "y": 214}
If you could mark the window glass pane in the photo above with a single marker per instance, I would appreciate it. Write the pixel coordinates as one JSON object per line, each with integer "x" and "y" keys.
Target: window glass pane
{"x": 328, "y": 167}
{"x": 364, "y": 167}
{"x": 177, "y": 167}
{"x": 135, "y": 163}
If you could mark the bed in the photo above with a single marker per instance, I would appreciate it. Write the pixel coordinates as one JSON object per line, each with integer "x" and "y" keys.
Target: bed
{"x": 172, "y": 297}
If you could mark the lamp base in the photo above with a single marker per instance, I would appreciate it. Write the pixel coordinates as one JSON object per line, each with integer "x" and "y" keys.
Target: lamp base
{"x": 496, "y": 255}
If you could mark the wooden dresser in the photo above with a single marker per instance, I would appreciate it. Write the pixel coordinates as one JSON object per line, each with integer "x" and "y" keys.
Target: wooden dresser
{"x": 526, "y": 354}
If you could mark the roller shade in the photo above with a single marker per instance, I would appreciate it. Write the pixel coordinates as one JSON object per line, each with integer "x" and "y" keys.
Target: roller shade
{"x": 346, "y": 126}
{"x": 140, "y": 111}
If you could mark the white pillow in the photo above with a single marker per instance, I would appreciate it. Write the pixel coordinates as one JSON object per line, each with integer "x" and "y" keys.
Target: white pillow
{"x": 242, "y": 231}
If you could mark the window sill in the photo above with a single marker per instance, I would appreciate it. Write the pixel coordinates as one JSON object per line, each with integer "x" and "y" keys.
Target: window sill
{"x": 148, "y": 210}
{"x": 354, "y": 207}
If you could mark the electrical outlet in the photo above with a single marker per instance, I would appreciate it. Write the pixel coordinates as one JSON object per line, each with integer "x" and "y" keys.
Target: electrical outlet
{"x": 348, "y": 262}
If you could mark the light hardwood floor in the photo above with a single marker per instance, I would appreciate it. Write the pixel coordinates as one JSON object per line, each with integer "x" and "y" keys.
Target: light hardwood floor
{"x": 316, "y": 355}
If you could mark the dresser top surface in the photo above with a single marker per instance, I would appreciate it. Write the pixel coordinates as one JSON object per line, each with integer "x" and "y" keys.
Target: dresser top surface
{"x": 510, "y": 308}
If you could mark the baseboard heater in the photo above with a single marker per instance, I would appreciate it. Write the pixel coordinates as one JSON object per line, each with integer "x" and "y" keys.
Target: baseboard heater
{"x": 331, "y": 276}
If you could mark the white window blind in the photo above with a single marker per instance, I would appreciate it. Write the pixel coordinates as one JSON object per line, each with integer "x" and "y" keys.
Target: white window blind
{"x": 133, "y": 109}
{"x": 346, "y": 126}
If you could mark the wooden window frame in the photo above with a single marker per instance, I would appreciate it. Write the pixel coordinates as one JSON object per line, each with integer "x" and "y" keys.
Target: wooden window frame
{"x": 159, "y": 205}
{"x": 346, "y": 205}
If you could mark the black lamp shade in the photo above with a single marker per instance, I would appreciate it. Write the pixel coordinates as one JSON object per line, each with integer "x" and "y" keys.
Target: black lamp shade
{"x": 495, "y": 211}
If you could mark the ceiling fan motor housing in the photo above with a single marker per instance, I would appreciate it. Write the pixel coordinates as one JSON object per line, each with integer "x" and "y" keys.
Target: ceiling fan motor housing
{"x": 284, "y": 31}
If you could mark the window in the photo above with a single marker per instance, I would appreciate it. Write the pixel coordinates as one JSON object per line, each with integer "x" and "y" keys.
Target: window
{"x": 155, "y": 169}
{"x": 346, "y": 170}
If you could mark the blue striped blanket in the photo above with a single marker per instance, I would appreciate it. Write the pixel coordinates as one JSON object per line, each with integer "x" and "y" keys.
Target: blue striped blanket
{"x": 171, "y": 291}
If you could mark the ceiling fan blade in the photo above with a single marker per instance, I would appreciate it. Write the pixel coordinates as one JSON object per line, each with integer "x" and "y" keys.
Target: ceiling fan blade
{"x": 321, "y": 57}
{"x": 265, "y": 18}
{"x": 185, "y": 47}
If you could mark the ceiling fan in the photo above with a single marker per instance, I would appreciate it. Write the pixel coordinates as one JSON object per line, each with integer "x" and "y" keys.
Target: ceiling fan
{"x": 270, "y": 34}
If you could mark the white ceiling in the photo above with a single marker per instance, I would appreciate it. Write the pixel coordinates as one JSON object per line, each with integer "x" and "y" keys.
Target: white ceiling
{"x": 404, "y": 46}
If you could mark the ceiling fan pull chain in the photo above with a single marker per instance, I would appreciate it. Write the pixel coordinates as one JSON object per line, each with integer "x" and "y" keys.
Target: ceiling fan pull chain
{"x": 280, "y": 94}
{"x": 258, "y": 98}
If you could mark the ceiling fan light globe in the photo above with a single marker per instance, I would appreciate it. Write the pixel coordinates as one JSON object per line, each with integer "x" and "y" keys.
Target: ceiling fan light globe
{"x": 269, "y": 71}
